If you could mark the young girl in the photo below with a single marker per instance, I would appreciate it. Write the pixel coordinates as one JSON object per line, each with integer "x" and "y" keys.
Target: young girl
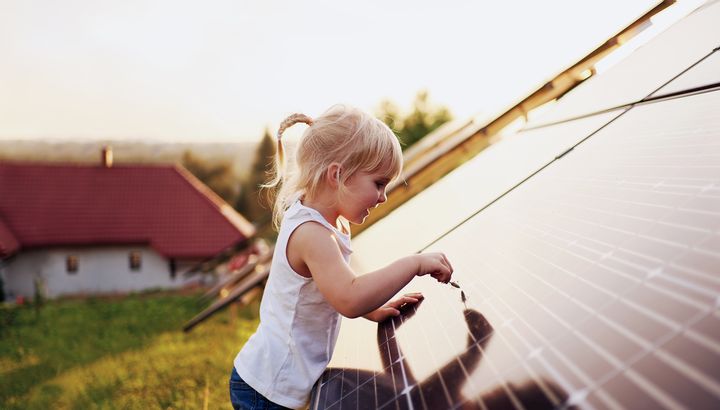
{"x": 345, "y": 160}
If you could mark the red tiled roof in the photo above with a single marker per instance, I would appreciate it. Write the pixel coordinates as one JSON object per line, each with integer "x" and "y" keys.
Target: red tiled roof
{"x": 163, "y": 206}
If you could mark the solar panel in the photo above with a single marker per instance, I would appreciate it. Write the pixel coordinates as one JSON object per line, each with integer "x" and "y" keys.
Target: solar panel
{"x": 592, "y": 284}
{"x": 645, "y": 70}
{"x": 703, "y": 74}
{"x": 232, "y": 278}
{"x": 499, "y": 168}
{"x": 250, "y": 281}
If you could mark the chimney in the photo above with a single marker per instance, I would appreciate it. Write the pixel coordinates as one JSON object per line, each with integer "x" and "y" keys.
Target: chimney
{"x": 107, "y": 157}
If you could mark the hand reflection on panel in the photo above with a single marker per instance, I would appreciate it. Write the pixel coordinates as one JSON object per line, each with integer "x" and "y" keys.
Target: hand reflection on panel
{"x": 396, "y": 387}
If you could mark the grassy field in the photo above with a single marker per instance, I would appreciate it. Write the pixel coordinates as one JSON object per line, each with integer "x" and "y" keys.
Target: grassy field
{"x": 119, "y": 353}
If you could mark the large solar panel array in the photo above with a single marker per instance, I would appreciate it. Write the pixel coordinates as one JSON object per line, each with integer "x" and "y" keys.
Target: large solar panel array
{"x": 589, "y": 274}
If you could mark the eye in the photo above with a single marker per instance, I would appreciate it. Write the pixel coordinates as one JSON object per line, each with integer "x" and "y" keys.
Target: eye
{"x": 380, "y": 184}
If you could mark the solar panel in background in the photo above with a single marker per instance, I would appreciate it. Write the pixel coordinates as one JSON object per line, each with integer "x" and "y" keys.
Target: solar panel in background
{"x": 645, "y": 70}
{"x": 594, "y": 284}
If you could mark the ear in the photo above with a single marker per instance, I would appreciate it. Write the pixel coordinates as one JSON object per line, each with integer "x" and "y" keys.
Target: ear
{"x": 332, "y": 175}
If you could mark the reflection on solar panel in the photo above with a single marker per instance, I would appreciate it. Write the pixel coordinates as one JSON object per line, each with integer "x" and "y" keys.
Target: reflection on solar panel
{"x": 592, "y": 284}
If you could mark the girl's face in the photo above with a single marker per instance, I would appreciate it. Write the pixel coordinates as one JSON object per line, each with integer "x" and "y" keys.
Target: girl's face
{"x": 362, "y": 192}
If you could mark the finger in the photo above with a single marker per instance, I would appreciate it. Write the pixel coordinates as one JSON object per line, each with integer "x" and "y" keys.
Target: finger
{"x": 397, "y": 303}
{"x": 415, "y": 295}
{"x": 447, "y": 262}
{"x": 403, "y": 300}
{"x": 444, "y": 260}
{"x": 392, "y": 312}
{"x": 441, "y": 276}
{"x": 387, "y": 312}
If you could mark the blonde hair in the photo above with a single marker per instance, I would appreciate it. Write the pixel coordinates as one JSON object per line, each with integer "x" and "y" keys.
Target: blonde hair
{"x": 342, "y": 134}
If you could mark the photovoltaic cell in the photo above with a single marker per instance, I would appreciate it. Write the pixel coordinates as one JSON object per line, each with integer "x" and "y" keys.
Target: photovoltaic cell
{"x": 645, "y": 70}
{"x": 594, "y": 284}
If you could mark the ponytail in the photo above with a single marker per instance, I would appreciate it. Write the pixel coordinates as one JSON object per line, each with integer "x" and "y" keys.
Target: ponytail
{"x": 280, "y": 173}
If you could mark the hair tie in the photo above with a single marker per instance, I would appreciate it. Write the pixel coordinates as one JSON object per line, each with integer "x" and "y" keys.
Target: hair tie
{"x": 292, "y": 120}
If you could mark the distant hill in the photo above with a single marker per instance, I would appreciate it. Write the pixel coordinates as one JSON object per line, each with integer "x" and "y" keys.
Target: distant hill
{"x": 240, "y": 154}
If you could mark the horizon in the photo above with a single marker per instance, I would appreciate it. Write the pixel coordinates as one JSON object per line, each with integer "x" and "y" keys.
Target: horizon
{"x": 225, "y": 72}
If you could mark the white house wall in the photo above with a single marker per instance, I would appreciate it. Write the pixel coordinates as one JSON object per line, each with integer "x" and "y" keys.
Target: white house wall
{"x": 100, "y": 270}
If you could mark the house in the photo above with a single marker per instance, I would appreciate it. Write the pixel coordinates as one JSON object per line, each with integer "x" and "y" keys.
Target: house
{"x": 78, "y": 229}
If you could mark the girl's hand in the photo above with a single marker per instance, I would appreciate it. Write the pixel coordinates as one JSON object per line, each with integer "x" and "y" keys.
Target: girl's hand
{"x": 392, "y": 308}
{"x": 435, "y": 264}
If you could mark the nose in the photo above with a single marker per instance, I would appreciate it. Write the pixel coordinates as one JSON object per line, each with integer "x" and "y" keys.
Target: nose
{"x": 383, "y": 197}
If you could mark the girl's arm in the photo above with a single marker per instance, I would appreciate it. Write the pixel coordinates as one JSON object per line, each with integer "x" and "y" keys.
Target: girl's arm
{"x": 353, "y": 296}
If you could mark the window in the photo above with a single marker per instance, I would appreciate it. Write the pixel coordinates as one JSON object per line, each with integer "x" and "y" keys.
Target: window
{"x": 135, "y": 260}
{"x": 173, "y": 269}
{"x": 71, "y": 264}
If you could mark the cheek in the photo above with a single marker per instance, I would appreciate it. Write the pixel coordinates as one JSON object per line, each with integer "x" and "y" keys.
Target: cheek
{"x": 373, "y": 195}
{"x": 363, "y": 201}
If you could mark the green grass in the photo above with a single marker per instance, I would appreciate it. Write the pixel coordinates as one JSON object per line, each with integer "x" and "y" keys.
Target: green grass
{"x": 127, "y": 353}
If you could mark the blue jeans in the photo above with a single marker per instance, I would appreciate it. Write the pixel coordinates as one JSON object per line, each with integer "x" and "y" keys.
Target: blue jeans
{"x": 244, "y": 397}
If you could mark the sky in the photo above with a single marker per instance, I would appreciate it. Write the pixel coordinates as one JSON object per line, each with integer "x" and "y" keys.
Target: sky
{"x": 225, "y": 70}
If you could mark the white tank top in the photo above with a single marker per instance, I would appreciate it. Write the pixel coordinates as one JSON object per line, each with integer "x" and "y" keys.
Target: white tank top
{"x": 298, "y": 328}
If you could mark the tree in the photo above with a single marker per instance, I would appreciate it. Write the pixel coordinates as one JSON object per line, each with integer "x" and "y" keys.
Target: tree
{"x": 422, "y": 119}
{"x": 253, "y": 202}
{"x": 217, "y": 176}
